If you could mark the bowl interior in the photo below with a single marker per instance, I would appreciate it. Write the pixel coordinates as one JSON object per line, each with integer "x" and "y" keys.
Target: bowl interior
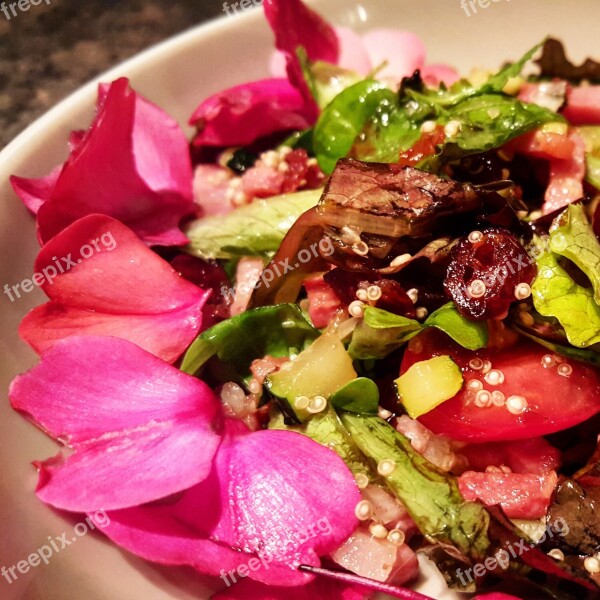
{"x": 177, "y": 75}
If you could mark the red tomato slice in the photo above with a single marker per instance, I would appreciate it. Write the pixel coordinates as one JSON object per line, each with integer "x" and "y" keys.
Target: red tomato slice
{"x": 521, "y": 495}
{"x": 552, "y": 397}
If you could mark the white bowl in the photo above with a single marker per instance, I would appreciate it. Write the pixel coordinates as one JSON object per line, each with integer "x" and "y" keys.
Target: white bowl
{"x": 177, "y": 74}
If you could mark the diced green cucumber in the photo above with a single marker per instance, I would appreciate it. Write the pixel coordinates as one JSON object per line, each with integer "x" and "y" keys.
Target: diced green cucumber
{"x": 320, "y": 370}
{"x": 427, "y": 384}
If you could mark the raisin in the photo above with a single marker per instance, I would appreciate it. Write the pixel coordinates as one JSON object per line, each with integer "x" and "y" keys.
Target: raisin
{"x": 486, "y": 268}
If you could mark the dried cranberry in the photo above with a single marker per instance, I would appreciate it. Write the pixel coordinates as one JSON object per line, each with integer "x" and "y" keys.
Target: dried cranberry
{"x": 300, "y": 174}
{"x": 485, "y": 270}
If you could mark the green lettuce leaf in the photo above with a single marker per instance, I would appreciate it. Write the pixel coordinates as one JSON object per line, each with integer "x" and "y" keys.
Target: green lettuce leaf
{"x": 278, "y": 331}
{"x": 572, "y": 237}
{"x": 326, "y": 429}
{"x": 360, "y": 396}
{"x": 431, "y": 496}
{"x": 382, "y": 332}
{"x": 556, "y": 294}
{"x": 256, "y": 229}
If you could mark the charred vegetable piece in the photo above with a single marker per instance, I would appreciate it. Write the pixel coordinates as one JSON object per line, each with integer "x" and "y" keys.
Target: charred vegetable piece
{"x": 486, "y": 269}
{"x": 554, "y": 63}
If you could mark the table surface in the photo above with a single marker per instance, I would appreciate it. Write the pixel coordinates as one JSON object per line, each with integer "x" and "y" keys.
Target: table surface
{"x": 51, "y": 49}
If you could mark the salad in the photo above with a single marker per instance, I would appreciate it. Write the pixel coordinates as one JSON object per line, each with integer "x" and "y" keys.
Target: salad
{"x": 352, "y": 327}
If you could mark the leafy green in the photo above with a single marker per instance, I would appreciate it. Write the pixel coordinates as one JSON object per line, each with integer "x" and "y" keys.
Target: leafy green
{"x": 345, "y": 117}
{"x": 255, "y": 229}
{"x": 488, "y": 121}
{"x": 277, "y": 331}
{"x": 324, "y": 79}
{"x": 359, "y": 396}
{"x": 377, "y": 125}
{"x": 327, "y": 429}
{"x": 592, "y": 176}
{"x": 382, "y": 332}
{"x": 431, "y": 496}
{"x": 556, "y": 294}
{"x": 572, "y": 237}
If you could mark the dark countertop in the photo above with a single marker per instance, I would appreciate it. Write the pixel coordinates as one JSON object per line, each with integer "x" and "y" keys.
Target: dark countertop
{"x": 49, "y": 51}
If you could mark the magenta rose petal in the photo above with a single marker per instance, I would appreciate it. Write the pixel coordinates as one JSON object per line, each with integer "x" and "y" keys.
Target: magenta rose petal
{"x": 245, "y": 113}
{"x": 138, "y": 429}
{"x": 282, "y": 495}
{"x": 121, "y": 289}
{"x": 132, "y": 164}
{"x": 295, "y": 24}
{"x": 34, "y": 192}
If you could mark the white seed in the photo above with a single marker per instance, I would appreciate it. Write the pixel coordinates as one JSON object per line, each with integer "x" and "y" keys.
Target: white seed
{"x": 475, "y": 385}
{"x": 548, "y": 361}
{"x": 526, "y": 319}
{"x": 400, "y": 260}
{"x": 374, "y": 293}
{"x": 565, "y": 370}
{"x": 498, "y": 398}
{"x": 362, "y": 295}
{"x": 378, "y": 530}
{"x": 356, "y": 308}
{"x": 522, "y": 291}
{"x": 486, "y": 367}
{"x": 495, "y": 377}
{"x": 452, "y": 128}
{"x": 361, "y": 248}
{"x": 592, "y": 565}
{"x": 384, "y": 413}
{"x": 386, "y": 467}
{"x": 413, "y": 294}
{"x": 421, "y": 312}
{"x": 301, "y": 402}
{"x": 476, "y": 364}
{"x": 477, "y": 289}
{"x": 506, "y": 470}
{"x": 475, "y": 236}
{"x": 483, "y": 399}
{"x": 493, "y": 469}
{"x": 556, "y": 554}
{"x": 363, "y": 510}
{"x": 283, "y": 167}
{"x": 317, "y": 404}
{"x": 362, "y": 481}
{"x": 428, "y": 126}
{"x": 397, "y": 537}
{"x": 516, "y": 405}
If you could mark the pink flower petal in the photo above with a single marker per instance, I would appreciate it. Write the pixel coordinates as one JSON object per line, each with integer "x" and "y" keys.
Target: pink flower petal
{"x": 138, "y": 428}
{"x": 403, "y": 50}
{"x": 282, "y": 496}
{"x": 321, "y": 589}
{"x": 133, "y": 164}
{"x": 245, "y": 113}
{"x": 295, "y": 25}
{"x": 122, "y": 289}
{"x": 434, "y": 75}
{"x": 34, "y": 192}
{"x": 354, "y": 55}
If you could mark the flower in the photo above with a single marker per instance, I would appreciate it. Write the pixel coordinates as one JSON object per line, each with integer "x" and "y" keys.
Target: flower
{"x": 132, "y": 164}
{"x": 102, "y": 280}
{"x": 139, "y": 431}
{"x": 240, "y": 115}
